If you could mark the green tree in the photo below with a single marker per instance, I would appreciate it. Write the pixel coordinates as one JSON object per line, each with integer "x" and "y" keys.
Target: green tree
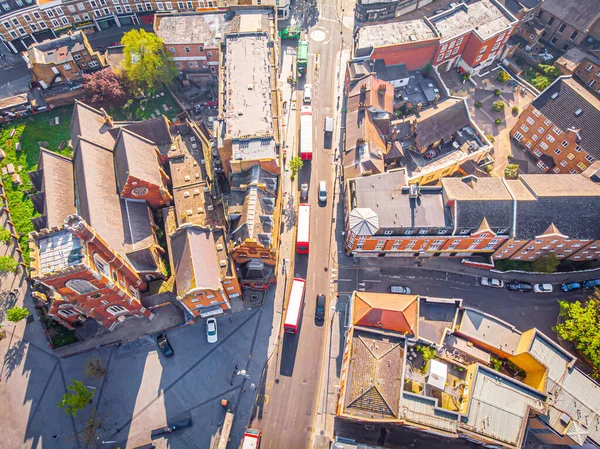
{"x": 16, "y": 314}
{"x": 580, "y": 326}
{"x": 549, "y": 70}
{"x": 5, "y": 235}
{"x": 502, "y": 77}
{"x": 94, "y": 368}
{"x": 546, "y": 264}
{"x": 147, "y": 65}
{"x": 426, "y": 69}
{"x": 540, "y": 82}
{"x": 8, "y": 264}
{"x": 76, "y": 398}
{"x": 295, "y": 166}
{"x": 511, "y": 171}
{"x": 498, "y": 106}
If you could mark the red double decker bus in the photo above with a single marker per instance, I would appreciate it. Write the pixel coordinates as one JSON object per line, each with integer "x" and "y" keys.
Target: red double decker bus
{"x": 303, "y": 229}
{"x": 294, "y": 308}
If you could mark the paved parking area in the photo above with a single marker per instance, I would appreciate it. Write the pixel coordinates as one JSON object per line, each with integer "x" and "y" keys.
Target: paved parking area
{"x": 142, "y": 389}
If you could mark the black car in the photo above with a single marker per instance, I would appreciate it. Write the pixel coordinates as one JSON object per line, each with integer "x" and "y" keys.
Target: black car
{"x": 164, "y": 345}
{"x": 516, "y": 286}
{"x": 320, "y": 308}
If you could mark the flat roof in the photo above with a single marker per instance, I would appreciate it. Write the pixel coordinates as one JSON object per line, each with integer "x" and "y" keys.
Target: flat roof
{"x": 435, "y": 316}
{"x": 489, "y": 330}
{"x": 485, "y": 18}
{"x": 247, "y": 82}
{"x": 195, "y": 28}
{"x": 385, "y": 34}
{"x": 387, "y": 194}
{"x": 55, "y": 249}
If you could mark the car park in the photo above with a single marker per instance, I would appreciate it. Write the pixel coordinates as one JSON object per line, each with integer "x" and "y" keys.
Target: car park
{"x": 211, "y": 330}
{"x": 164, "y": 345}
{"x": 320, "y": 308}
{"x": 517, "y": 286}
{"x": 542, "y": 288}
{"x": 570, "y": 286}
{"x": 400, "y": 289}
{"x": 591, "y": 283}
{"x": 491, "y": 282}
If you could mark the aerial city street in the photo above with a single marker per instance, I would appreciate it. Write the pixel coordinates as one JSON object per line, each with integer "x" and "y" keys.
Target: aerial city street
{"x": 300, "y": 224}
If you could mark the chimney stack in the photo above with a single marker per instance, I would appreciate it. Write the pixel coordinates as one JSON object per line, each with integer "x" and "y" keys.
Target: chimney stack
{"x": 107, "y": 118}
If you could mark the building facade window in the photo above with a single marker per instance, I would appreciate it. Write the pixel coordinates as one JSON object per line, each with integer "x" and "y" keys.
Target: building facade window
{"x": 116, "y": 310}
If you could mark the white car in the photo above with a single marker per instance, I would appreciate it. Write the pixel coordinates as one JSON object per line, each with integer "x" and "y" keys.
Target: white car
{"x": 211, "y": 330}
{"x": 542, "y": 288}
{"x": 491, "y": 282}
{"x": 307, "y": 93}
{"x": 322, "y": 191}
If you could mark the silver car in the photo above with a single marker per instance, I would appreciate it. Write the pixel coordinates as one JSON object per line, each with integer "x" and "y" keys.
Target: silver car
{"x": 491, "y": 282}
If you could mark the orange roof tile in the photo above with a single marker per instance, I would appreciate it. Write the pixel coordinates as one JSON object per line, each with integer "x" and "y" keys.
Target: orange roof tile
{"x": 387, "y": 311}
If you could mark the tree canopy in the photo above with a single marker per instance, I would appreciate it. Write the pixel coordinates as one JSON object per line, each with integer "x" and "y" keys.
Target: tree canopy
{"x": 16, "y": 314}
{"x": 8, "y": 264}
{"x": 147, "y": 65}
{"x": 546, "y": 264}
{"x": 76, "y": 398}
{"x": 579, "y": 325}
{"x": 105, "y": 88}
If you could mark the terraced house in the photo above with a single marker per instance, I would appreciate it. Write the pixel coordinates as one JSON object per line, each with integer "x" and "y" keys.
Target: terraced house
{"x": 521, "y": 219}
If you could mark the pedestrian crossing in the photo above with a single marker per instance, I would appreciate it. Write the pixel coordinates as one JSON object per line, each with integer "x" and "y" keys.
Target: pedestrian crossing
{"x": 333, "y": 280}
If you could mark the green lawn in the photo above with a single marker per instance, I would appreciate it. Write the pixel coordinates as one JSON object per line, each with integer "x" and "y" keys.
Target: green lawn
{"x": 29, "y": 132}
{"x": 143, "y": 109}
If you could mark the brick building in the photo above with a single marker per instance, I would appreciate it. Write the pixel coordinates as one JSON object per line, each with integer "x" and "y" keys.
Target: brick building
{"x": 413, "y": 43}
{"x": 193, "y": 40}
{"x": 560, "y": 127}
{"x": 567, "y": 24}
{"x": 520, "y": 219}
{"x": 25, "y": 22}
{"x": 62, "y": 60}
{"x": 472, "y": 36}
{"x": 588, "y": 71}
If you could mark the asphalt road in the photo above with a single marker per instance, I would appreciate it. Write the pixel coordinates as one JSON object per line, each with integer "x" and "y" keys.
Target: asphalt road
{"x": 288, "y": 393}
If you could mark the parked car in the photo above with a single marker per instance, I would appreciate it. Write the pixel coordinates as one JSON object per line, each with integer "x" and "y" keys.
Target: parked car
{"x": 211, "y": 330}
{"x": 322, "y": 191}
{"x": 307, "y": 93}
{"x": 320, "y": 308}
{"x": 570, "y": 286}
{"x": 304, "y": 192}
{"x": 591, "y": 283}
{"x": 400, "y": 289}
{"x": 542, "y": 288}
{"x": 328, "y": 125}
{"x": 164, "y": 345}
{"x": 517, "y": 286}
{"x": 491, "y": 282}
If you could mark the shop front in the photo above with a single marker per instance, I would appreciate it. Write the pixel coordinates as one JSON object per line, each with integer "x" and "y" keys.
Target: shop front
{"x": 146, "y": 17}
{"x": 370, "y": 12}
{"x": 127, "y": 19}
{"x": 87, "y": 26}
{"x": 106, "y": 23}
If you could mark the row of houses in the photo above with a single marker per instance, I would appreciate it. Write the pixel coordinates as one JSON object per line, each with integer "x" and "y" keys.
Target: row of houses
{"x": 26, "y": 22}
{"x": 213, "y": 194}
{"x": 488, "y": 382}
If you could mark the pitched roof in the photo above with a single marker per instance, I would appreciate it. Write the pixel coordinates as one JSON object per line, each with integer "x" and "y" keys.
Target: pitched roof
{"x": 90, "y": 123}
{"x": 363, "y": 221}
{"x": 373, "y": 92}
{"x": 560, "y": 102}
{"x": 399, "y": 313}
{"x": 556, "y": 200}
{"x": 56, "y": 51}
{"x": 364, "y": 145}
{"x": 441, "y": 121}
{"x": 580, "y": 14}
{"x": 156, "y": 130}
{"x": 136, "y": 156}
{"x": 57, "y": 187}
{"x": 195, "y": 259}
{"x": 251, "y": 211}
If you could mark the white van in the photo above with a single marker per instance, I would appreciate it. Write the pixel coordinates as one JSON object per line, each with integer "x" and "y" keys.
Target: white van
{"x": 307, "y": 93}
{"x": 328, "y": 125}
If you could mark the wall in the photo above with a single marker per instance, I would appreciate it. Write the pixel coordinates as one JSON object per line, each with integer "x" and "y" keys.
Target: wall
{"x": 157, "y": 196}
{"x": 589, "y": 73}
{"x": 206, "y": 60}
{"x": 414, "y": 55}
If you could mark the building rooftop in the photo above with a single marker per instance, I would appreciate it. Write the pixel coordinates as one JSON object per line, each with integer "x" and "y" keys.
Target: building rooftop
{"x": 499, "y": 406}
{"x": 581, "y": 14}
{"x": 483, "y": 328}
{"x": 436, "y": 316}
{"x": 247, "y": 110}
{"x": 137, "y": 157}
{"x": 473, "y": 188}
{"x": 390, "y": 311}
{"x": 382, "y": 35}
{"x": 374, "y": 385}
{"x": 573, "y": 56}
{"x": 389, "y": 196}
{"x": 197, "y": 29}
{"x": 483, "y": 17}
{"x": 570, "y": 106}
{"x": 58, "y": 251}
{"x": 56, "y": 51}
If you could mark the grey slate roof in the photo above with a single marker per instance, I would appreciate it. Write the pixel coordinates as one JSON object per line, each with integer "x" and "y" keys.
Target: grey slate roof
{"x": 570, "y": 202}
{"x": 498, "y": 213}
{"x": 580, "y": 14}
{"x": 441, "y": 122}
{"x": 137, "y": 157}
{"x": 155, "y": 130}
{"x": 57, "y": 187}
{"x": 572, "y": 96}
{"x": 89, "y": 123}
{"x": 195, "y": 259}
{"x": 56, "y": 51}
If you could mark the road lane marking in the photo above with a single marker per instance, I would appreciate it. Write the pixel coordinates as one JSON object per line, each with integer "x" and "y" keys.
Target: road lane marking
{"x": 344, "y": 280}
{"x": 371, "y": 280}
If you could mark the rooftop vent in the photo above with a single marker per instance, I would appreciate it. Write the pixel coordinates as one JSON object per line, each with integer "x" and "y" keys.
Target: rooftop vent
{"x": 565, "y": 419}
{"x": 578, "y": 112}
{"x": 470, "y": 180}
{"x": 554, "y": 95}
{"x": 223, "y": 263}
{"x": 412, "y": 37}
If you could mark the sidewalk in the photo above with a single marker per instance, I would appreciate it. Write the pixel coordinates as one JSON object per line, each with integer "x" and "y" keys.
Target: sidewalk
{"x": 454, "y": 265}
